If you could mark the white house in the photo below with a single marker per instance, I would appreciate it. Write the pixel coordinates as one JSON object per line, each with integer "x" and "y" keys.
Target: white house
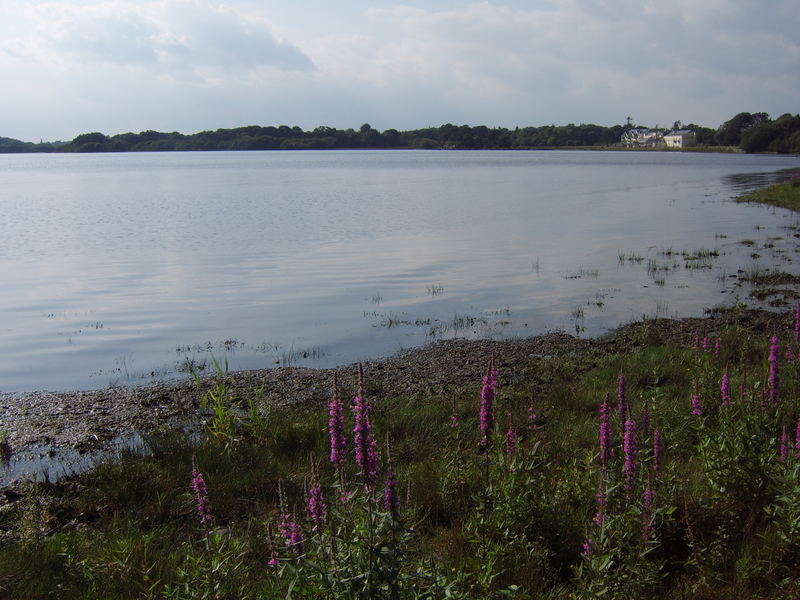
{"x": 680, "y": 139}
{"x": 640, "y": 137}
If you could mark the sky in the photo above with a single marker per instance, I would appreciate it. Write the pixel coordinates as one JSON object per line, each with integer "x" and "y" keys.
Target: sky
{"x": 75, "y": 66}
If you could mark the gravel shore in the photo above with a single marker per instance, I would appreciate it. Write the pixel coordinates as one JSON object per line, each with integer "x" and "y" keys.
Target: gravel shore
{"x": 89, "y": 419}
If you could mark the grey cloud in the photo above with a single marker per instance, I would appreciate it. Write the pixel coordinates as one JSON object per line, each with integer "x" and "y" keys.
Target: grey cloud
{"x": 183, "y": 35}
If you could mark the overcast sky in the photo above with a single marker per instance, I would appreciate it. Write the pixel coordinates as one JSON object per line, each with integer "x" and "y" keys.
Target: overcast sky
{"x": 74, "y": 66}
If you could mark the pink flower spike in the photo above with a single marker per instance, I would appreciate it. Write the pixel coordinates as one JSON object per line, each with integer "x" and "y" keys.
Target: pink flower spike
{"x": 201, "y": 497}
{"x": 488, "y": 393}
{"x": 631, "y": 454}
{"x": 338, "y": 441}
{"x": 658, "y": 450}
{"x": 697, "y": 401}
{"x": 621, "y": 394}
{"x": 774, "y": 378}
{"x": 725, "y": 388}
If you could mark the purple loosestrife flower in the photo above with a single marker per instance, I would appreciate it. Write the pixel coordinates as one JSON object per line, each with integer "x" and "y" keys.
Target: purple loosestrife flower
{"x": 717, "y": 346}
{"x": 631, "y": 454}
{"x": 338, "y": 441}
{"x": 602, "y": 502}
{"x": 488, "y": 393}
{"x": 201, "y": 497}
{"x": 725, "y": 388}
{"x": 588, "y": 547}
{"x": 784, "y": 445}
{"x": 706, "y": 344}
{"x": 697, "y": 401}
{"x": 453, "y": 421}
{"x": 696, "y": 342}
{"x": 774, "y": 378}
{"x": 273, "y": 561}
{"x": 366, "y": 448}
{"x": 292, "y": 532}
{"x": 296, "y": 538}
{"x": 391, "y": 501}
{"x": 531, "y": 418}
{"x": 606, "y": 433}
{"x": 621, "y": 394}
{"x": 645, "y": 422}
{"x": 317, "y": 509}
{"x": 658, "y": 450}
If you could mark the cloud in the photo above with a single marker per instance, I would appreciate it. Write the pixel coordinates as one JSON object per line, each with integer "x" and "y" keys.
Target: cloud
{"x": 198, "y": 64}
{"x": 166, "y": 36}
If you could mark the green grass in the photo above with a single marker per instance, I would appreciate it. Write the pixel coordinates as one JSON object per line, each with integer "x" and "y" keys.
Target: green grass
{"x": 784, "y": 195}
{"x": 474, "y": 522}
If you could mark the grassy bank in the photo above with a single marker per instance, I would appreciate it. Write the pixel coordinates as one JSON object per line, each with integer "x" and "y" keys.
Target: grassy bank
{"x": 784, "y": 195}
{"x": 650, "y": 466}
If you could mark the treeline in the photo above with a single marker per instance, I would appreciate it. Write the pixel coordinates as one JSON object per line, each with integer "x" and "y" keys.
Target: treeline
{"x": 752, "y": 132}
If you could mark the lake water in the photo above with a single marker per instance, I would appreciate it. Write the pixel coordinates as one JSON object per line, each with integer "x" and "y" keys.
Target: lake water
{"x": 127, "y": 268}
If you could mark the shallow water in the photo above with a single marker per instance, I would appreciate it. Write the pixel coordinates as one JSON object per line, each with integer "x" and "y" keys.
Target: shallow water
{"x": 121, "y": 269}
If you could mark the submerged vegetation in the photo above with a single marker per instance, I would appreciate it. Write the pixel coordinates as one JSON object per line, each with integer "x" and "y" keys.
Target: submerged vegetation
{"x": 659, "y": 469}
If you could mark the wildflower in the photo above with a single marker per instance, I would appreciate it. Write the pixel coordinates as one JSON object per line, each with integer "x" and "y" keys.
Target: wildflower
{"x": 696, "y": 341}
{"x": 317, "y": 510}
{"x": 602, "y": 502}
{"x": 511, "y": 441}
{"x": 725, "y": 388}
{"x": 391, "y": 501}
{"x": 336, "y": 434}
{"x": 274, "y": 562}
{"x": 717, "y": 347}
{"x": 631, "y": 454}
{"x": 645, "y": 422}
{"x": 488, "y": 393}
{"x": 453, "y": 420}
{"x": 606, "y": 433}
{"x": 292, "y": 532}
{"x": 658, "y": 450}
{"x": 774, "y": 378}
{"x": 532, "y": 418}
{"x": 366, "y": 448}
{"x": 201, "y": 496}
{"x": 588, "y": 547}
{"x": 706, "y": 344}
{"x": 784, "y": 445}
{"x": 697, "y": 401}
{"x": 621, "y": 394}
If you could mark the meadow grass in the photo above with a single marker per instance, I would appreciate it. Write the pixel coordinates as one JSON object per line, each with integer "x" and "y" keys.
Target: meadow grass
{"x": 597, "y": 473}
{"x": 784, "y": 195}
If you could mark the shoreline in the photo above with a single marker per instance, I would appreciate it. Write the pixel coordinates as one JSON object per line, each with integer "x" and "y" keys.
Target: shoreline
{"x": 92, "y": 419}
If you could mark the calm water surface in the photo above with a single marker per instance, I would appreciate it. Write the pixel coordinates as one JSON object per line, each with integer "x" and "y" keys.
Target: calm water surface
{"x": 122, "y": 269}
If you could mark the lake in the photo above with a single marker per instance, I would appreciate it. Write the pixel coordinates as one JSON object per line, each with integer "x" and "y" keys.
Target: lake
{"x": 122, "y": 269}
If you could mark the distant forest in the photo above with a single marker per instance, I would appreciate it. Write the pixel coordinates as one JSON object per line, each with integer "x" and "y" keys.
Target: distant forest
{"x": 751, "y": 132}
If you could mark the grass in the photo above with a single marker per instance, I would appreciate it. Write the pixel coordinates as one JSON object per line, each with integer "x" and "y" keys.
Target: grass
{"x": 478, "y": 517}
{"x": 784, "y": 195}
